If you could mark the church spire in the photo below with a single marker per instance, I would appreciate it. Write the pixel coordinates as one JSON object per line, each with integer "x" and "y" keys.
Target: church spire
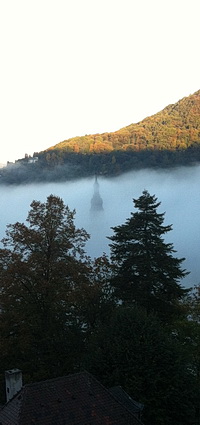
{"x": 96, "y": 201}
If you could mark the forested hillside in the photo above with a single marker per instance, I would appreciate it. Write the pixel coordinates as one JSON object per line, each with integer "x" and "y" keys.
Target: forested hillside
{"x": 169, "y": 138}
{"x": 175, "y": 127}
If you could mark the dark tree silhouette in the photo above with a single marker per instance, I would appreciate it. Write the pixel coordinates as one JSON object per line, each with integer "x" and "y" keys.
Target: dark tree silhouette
{"x": 42, "y": 266}
{"x": 146, "y": 270}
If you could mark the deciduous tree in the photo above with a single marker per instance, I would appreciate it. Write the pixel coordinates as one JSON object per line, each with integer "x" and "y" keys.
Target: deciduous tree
{"x": 42, "y": 264}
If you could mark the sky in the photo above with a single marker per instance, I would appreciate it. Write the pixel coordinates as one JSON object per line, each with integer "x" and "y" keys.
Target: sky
{"x": 76, "y": 67}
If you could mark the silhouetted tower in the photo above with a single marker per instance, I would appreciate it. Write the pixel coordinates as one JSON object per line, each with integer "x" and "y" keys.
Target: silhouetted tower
{"x": 96, "y": 201}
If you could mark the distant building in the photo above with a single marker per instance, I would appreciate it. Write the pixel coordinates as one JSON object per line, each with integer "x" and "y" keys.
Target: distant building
{"x": 96, "y": 201}
{"x": 33, "y": 160}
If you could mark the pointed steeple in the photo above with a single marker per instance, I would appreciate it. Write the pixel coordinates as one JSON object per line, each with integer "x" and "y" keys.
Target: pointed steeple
{"x": 96, "y": 201}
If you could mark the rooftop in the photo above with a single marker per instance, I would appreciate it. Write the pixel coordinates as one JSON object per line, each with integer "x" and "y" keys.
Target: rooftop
{"x": 77, "y": 399}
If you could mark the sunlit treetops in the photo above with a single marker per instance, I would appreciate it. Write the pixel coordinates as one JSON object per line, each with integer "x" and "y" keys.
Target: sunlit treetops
{"x": 176, "y": 127}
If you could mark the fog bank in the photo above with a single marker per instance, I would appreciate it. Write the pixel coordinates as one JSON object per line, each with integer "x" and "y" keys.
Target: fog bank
{"x": 178, "y": 190}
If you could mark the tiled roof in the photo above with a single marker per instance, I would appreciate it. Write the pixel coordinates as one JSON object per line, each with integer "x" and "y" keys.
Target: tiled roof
{"x": 77, "y": 399}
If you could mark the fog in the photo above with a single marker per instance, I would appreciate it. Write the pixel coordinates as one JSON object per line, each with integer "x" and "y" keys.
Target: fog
{"x": 178, "y": 190}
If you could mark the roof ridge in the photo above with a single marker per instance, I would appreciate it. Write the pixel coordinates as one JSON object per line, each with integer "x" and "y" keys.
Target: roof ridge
{"x": 136, "y": 403}
{"x": 116, "y": 400}
{"x": 122, "y": 404}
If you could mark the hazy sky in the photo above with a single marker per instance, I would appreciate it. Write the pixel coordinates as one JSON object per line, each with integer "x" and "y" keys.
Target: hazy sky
{"x": 75, "y": 67}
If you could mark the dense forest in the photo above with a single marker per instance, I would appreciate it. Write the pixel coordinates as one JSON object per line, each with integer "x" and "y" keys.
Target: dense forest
{"x": 167, "y": 139}
{"x": 126, "y": 319}
{"x": 175, "y": 127}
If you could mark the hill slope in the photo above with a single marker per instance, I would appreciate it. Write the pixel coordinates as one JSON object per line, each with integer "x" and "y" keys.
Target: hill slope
{"x": 169, "y": 138}
{"x": 175, "y": 127}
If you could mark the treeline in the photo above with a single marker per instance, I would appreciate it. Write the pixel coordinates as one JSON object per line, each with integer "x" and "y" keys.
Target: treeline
{"x": 126, "y": 318}
{"x": 61, "y": 166}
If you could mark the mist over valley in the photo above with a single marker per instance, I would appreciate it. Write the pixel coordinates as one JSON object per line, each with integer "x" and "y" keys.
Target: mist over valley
{"x": 176, "y": 189}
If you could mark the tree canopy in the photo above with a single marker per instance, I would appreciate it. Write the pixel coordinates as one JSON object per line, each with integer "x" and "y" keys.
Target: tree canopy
{"x": 134, "y": 350}
{"x": 62, "y": 312}
{"x": 42, "y": 264}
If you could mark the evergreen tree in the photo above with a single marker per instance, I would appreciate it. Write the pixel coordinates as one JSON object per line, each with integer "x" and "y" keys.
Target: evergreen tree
{"x": 146, "y": 270}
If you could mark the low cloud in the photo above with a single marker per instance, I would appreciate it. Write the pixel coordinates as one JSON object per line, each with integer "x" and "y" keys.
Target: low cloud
{"x": 178, "y": 191}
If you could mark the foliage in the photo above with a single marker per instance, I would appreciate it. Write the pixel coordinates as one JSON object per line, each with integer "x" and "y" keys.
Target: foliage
{"x": 146, "y": 271}
{"x": 60, "y": 314}
{"x": 133, "y": 350}
{"x": 41, "y": 265}
{"x": 187, "y": 333}
{"x": 93, "y": 300}
{"x": 194, "y": 304}
{"x": 175, "y": 127}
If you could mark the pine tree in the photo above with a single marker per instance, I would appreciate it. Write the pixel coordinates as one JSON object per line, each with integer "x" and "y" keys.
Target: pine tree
{"x": 146, "y": 270}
